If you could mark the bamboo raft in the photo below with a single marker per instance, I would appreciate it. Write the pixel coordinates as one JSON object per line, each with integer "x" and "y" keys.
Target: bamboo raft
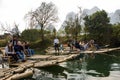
{"x": 25, "y": 69}
{"x": 51, "y": 50}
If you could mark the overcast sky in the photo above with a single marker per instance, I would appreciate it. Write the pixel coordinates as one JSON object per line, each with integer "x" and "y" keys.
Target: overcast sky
{"x": 14, "y": 10}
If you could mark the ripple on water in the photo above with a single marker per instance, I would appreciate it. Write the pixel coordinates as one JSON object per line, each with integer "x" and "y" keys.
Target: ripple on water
{"x": 115, "y": 67}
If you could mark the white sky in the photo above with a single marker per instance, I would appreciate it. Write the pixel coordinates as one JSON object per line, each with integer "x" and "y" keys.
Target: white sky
{"x": 14, "y": 10}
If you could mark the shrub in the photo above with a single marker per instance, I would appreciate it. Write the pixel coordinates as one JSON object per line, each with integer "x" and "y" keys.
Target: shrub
{"x": 42, "y": 45}
{"x": 3, "y": 43}
{"x": 30, "y": 35}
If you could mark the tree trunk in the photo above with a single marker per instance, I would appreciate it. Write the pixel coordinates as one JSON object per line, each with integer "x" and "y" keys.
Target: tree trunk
{"x": 76, "y": 36}
{"x": 42, "y": 32}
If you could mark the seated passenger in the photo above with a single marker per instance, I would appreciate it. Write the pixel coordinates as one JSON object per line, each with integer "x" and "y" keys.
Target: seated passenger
{"x": 25, "y": 51}
{"x": 14, "y": 40}
{"x": 27, "y": 48}
{"x": 92, "y": 47}
{"x": 70, "y": 45}
{"x": 9, "y": 50}
{"x": 19, "y": 51}
{"x": 77, "y": 45}
{"x": 86, "y": 46}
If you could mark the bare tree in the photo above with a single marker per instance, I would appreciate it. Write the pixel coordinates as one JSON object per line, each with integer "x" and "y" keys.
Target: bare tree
{"x": 30, "y": 20}
{"x": 54, "y": 31}
{"x": 7, "y": 28}
{"x": 44, "y": 15}
{"x": 15, "y": 30}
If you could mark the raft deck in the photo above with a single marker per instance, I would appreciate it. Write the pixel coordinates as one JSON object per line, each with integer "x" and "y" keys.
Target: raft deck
{"x": 35, "y": 61}
{"x": 51, "y": 50}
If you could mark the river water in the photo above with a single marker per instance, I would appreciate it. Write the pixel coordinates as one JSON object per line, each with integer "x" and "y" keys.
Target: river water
{"x": 95, "y": 67}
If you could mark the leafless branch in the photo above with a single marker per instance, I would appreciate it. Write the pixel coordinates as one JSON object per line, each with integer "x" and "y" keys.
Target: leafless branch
{"x": 45, "y": 14}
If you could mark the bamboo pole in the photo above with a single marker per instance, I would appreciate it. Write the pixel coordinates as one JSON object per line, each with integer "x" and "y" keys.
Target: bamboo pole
{"x": 22, "y": 75}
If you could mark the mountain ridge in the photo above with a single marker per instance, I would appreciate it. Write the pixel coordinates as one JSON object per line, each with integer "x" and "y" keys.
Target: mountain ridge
{"x": 114, "y": 16}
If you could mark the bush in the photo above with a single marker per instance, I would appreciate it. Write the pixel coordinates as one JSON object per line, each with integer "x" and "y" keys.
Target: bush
{"x": 30, "y": 35}
{"x": 42, "y": 45}
{"x": 3, "y": 43}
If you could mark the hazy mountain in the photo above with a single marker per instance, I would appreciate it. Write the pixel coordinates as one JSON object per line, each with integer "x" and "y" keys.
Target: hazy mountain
{"x": 68, "y": 16}
{"x": 91, "y": 11}
{"x": 114, "y": 17}
{"x": 84, "y": 13}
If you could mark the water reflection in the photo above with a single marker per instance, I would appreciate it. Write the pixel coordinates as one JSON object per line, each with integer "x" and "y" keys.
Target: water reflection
{"x": 101, "y": 67}
{"x": 115, "y": 67}
{"x": 4, "y": 65}
{"x": 43, "y": 75}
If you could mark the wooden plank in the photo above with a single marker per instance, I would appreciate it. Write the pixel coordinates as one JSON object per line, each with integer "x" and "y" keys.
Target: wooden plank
{"x": 101, "y": 50}
{"x": 44, "y": 63}
{"x": 22, "y": 63}
{"x": 39, "y": 57}
{"x": 58, "y": 57}
{"x": 21, "y": 76}
{"x": 76, "y": 51}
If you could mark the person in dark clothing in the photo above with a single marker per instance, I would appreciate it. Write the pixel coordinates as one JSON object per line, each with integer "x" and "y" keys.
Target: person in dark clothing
{"x": 19, "y": 51}
{"x": 14, "y": 40}
{"x": 27, "y": 49}
{"x": 77, "y": 45}
{"x": 70, "y": 44}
